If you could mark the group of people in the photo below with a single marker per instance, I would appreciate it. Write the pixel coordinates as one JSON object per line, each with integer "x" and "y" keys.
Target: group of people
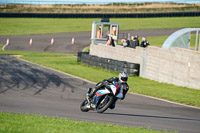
{"x": 134, "y": 42}
{"x": 110, "y": 40}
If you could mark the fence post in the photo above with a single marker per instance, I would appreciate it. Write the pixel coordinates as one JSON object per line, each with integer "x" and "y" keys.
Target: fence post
{"x": 199, "y": 43}
{"x": 197, "y": 34}
{"x": 129, "y": 36}
{"x": 144, "y": 62}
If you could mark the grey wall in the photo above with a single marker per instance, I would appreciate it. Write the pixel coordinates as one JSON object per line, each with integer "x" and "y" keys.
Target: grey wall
{"x": 176, "y": 66}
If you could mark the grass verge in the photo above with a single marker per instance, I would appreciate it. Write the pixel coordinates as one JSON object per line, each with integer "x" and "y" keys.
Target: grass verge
{"x": 22, "y": 26}
{"x": 159, "y": 40}
{"x": 23, "y": 123}
{"x": 68, "y": 63}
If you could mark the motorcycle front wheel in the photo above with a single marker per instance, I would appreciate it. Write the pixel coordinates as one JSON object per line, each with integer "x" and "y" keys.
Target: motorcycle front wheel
{"x": 84, "y": 107}
{"x": 104, "y": 103}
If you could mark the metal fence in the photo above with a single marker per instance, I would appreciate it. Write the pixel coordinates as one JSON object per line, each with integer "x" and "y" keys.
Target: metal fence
{"x": 100, "y": 15}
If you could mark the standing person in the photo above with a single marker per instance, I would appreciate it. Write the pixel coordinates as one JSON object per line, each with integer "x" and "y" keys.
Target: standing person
{"x": 144, "y": 42}
{"x": 134, "y": 42}
{"x": 99, "y": 33}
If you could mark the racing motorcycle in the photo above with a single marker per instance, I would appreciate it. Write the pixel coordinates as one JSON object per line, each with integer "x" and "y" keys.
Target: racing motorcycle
{"x": 103, "y": 99}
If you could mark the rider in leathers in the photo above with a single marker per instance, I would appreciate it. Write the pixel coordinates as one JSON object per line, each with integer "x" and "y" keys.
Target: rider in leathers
{"x": 121, "y": 80}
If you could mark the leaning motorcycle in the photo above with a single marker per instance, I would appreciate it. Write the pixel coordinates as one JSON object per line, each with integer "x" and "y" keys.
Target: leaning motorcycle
{"x": 103, "y": 99}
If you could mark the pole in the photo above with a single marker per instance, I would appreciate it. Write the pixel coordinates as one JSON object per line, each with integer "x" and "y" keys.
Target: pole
{"x": 129, "y": 36}
{"x": 199, "y": 43}
{"x": 189, "y": 41}
{"x": 197, "y": 33}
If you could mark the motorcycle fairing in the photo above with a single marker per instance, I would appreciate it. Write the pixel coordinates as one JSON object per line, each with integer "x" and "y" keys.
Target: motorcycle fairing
{"x": 117, "y": 89}
{"x": 102, "y": 92}
{"x": 99, "y": 94}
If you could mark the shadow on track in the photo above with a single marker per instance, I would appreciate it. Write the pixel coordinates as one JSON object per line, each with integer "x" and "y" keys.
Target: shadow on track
{"x": 153, "y": 116}
{"x": 15, "y": 74}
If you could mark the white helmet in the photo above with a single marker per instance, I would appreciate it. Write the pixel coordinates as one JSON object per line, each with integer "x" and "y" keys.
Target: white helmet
{"x": 123, "y": 77}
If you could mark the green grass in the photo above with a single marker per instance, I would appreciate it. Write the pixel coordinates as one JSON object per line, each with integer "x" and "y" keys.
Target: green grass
{"x": 23, "y": 123}
{"x": 19, "y": 26}
{"x": 157, "y": 23}
{"x": 159, "y": 40}
{"x": 68, "y": 63}
{"x": 22, "y": 26}
{"x": 154, "y": 41}
{"x": 86, "y": 49}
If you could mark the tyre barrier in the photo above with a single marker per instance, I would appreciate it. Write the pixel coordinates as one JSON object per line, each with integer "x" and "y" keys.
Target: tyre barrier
{"x": 110, "y": 64}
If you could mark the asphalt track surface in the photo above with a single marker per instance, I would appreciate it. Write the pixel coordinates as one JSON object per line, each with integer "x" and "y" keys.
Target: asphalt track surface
{"x": 32, "y": 89}
{"x": 63, "y": 41}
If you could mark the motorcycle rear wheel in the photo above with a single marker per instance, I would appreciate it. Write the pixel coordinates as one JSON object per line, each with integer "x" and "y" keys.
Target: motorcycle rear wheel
{"x": 104, "y": 103}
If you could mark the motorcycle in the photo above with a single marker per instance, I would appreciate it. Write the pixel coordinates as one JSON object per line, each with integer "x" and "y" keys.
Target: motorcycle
{"x": 103, "y": 99}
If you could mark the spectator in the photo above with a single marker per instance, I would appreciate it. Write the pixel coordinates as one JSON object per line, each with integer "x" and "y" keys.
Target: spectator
{"x": 99, "y": 33}
{"x": 110, "y": 41}
{"x": 134, "y": 42}
{"x": 124, "y": 42}
{"x": 114, "y": 31}
{"x": 144, "y": 42}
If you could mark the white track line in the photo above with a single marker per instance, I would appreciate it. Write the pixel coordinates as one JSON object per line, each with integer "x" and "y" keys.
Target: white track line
{"x": 181, "y": 104}
{"x": 95, "y": 83}
{"x": 4, "y": 46}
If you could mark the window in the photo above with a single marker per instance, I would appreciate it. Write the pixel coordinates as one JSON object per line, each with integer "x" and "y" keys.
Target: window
{"x": 106, "y": 31}
{"x": 99, "y": 31}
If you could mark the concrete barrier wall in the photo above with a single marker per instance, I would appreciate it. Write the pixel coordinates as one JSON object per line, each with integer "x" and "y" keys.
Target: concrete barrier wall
{"x": 117, "y": 52}
{"x": 176, "y": 66}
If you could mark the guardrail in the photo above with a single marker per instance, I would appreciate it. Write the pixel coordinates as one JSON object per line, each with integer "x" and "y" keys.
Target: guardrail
{"x": 99, "y": 15}
{"x": 110, "y": 64}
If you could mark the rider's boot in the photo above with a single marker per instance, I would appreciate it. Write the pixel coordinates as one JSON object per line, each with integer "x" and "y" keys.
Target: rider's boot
{"x": 87, "y": 97}
{"x": 112, "y": 106}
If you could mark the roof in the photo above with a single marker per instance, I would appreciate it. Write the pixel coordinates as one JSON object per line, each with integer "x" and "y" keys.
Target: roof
{"x": 179, "y": 38}
{"x": 106, "y": 23}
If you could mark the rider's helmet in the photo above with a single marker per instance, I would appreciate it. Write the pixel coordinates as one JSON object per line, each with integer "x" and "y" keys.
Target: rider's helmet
{"x": 123, "y": 77}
